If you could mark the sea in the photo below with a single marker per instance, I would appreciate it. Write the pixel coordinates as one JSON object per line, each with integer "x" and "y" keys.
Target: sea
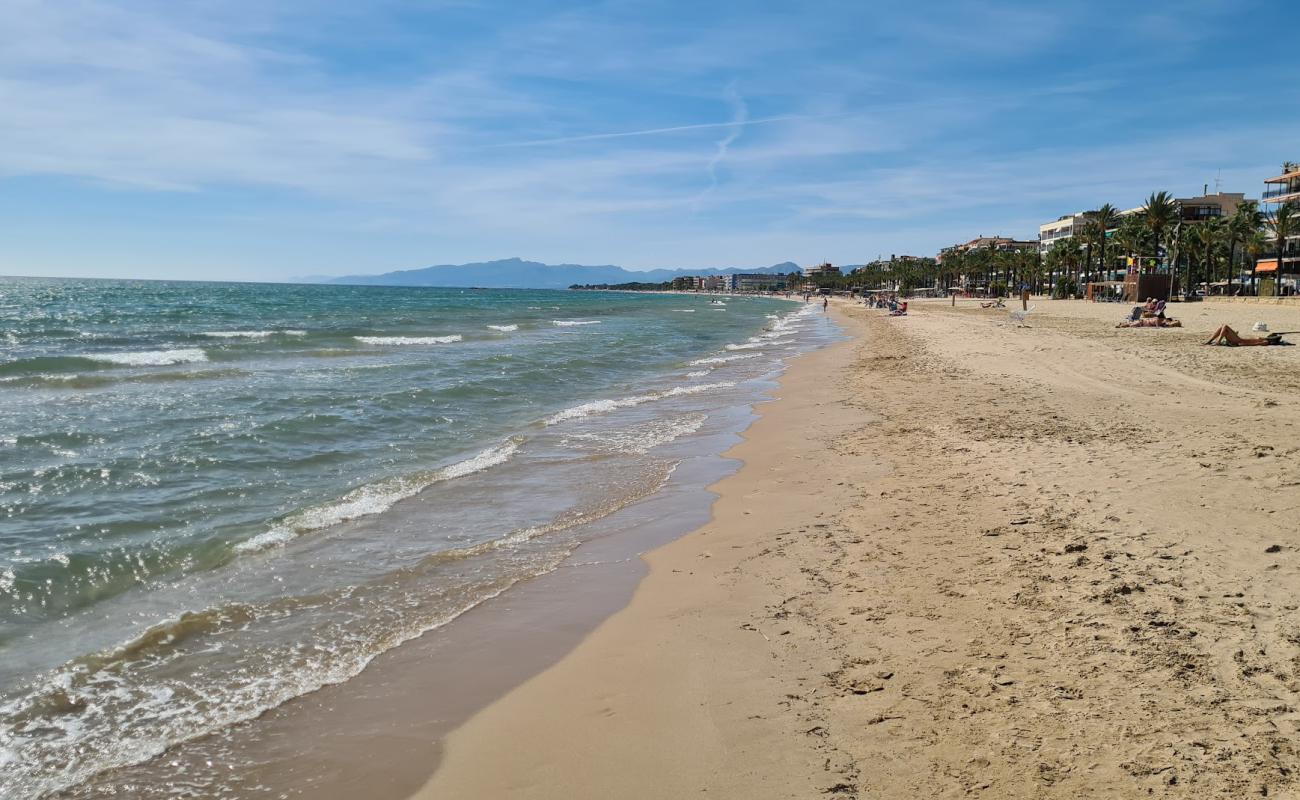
{"x": 218, "y": 497}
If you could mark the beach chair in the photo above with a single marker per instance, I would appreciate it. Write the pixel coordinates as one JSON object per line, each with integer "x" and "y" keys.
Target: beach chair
{"x": 1019, "y": 317}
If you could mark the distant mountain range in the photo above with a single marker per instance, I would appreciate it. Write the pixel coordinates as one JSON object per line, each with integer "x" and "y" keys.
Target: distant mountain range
{"x": 515, "y": 273}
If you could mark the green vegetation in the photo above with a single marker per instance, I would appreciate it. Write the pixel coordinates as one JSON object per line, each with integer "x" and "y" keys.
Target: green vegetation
{"x": 1157, "y": 237}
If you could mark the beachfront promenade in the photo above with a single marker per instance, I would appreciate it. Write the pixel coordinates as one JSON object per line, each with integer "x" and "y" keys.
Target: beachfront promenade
{"x": 963, "y": 559}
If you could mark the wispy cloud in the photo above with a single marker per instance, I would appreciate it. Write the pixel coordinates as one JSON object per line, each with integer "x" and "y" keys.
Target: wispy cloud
{"x": 565, "y": 131}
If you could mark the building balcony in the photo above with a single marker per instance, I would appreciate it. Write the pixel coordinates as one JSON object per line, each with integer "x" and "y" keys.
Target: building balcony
{"x": 1279, "y": 192}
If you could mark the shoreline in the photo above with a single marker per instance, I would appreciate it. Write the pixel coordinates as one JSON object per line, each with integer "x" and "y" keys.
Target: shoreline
{"x": 615, "y": 659}
{"x": 380, "y": 731}
{"x": 961, "y": 559}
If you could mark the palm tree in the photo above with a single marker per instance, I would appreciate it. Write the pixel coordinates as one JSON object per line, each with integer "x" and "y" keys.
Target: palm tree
{"x": 1207, "y": 235}
{"x": 1030, "y": 269}
{"x": 1106, "y": 218}
{"x": 1177, "y": 238}
{"x": 1256, "y": 245}
{"x": 1088, "y": 233}
{"x": 1061, "y": 257}
{"x": 1159, "y": 212}
{"x": 1283, "y": 223}
{"x": 1131, "y": 235}
{"x": 1241, "y": 225}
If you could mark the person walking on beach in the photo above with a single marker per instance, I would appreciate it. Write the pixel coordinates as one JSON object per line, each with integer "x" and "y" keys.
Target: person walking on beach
{"x": 826, "y": 301}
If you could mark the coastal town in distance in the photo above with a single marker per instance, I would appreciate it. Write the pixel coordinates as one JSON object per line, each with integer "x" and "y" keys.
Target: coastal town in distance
{"x": 1219, "y": 243}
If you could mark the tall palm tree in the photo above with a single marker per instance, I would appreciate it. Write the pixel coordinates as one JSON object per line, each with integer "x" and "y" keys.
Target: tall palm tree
{"x": 1131, "y": 235}
{"x": 1208, "y": 236}
{"x": 1060, "y": 258}
{"x": 1177, "y": 240}
{"x": 1283, "y": 223}
{"x": 1241, "y": 225}
{"x": 1089, "y": 233}
{"x": 1106, "y": 218}
{"x": 1159, "y": 212}
{"x": 1256, "y": 245}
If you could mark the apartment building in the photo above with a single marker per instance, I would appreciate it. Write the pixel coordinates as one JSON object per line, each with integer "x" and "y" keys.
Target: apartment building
{"x": 998, "y": 243}
{"x": 1063, "y": 227}
{"x": 1283, "y": 188}
{"x": 757, "y": 282}
{"x": 1209, "y": 206}
{"x": 821, "y": 270}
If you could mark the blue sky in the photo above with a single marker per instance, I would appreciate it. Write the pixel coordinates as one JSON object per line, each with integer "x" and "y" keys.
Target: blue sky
{"x": 268, "y": 140}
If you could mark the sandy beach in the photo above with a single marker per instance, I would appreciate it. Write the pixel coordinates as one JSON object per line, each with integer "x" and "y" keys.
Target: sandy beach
{"x": 962, "y": 559}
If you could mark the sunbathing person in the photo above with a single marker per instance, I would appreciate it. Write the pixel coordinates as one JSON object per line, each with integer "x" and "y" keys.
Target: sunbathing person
{"x": 1230, "y": 338}
{"x": 1150, "y": 322}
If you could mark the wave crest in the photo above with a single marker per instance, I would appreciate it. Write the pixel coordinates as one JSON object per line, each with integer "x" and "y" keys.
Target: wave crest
{"x": 374, "y": 498}
{"x": 151, "y": 358}
{"x": 400, "y": 340}
{"x": 605, "y": 406}
{"x": 699, "y": 362}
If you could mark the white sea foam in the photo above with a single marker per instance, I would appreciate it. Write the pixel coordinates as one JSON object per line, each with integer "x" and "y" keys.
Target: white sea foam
{"x": 685, "y": 310}
{"x": 605, "y": 406}
{"x": 678, "y": 391}
{"x": 374, "y": 498}
{"x": 400, "y": 340}
{"x": 504, "y": 328}
{"x": 152, "y": 358}
{"x": 644, "y": 437}
{"x": 568, "y": 323}
{"x": 251, "y": 334}
{"x": 599, "y": 407}
{"x": 746, "y": 346}
{"x": 699, "y": 373}
{"x": 723, "y": 359}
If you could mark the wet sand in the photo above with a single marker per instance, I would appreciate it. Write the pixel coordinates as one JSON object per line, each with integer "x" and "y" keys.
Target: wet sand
{"x": 962, "y": 559}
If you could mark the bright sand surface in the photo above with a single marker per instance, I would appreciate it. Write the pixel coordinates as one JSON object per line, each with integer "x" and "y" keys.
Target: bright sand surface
{"x": 962, "y": 559}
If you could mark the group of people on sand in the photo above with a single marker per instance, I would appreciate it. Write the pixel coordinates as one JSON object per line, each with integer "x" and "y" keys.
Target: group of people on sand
{"x": 1152, "y": 315}
{"x": 896, "y": 307}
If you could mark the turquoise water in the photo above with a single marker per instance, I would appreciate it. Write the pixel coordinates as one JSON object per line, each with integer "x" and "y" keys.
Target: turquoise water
{"x": 217, "y": 497}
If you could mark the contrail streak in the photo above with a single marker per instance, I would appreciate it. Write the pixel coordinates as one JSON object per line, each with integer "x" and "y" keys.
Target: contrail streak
{"x": 739, "y": 118}
{"x": 674, "y": 129}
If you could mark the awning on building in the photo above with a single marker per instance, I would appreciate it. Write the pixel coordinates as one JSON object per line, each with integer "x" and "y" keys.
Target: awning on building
{"x": 1266, "y": 265}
